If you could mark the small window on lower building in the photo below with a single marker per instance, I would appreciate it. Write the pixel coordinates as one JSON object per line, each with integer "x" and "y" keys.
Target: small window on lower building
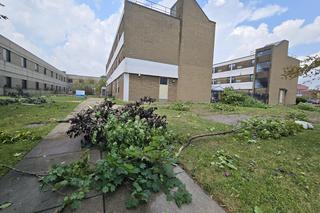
{"x": 8, "y": 55}
{"x": 51, "y": 87}
{"x": 8, "y": 82}
{"x": 45, "y": 86}
{"x": 24, "y": 63}
{"x": 37, "y": 85}
{"x": 163, "y": 81}
{"x": 24, "y": 84}
{"x": 45, "y": 71}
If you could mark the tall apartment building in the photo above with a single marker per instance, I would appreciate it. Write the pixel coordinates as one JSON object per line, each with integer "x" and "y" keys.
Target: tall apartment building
{"x": 260, "y": 74}
{"x": 20, "y": 69}
{"x": 164, "y": 53}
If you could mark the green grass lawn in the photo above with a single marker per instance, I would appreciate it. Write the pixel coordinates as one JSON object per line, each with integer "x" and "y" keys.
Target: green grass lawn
{"x": 16, "y": 117}
{"x": 272, "y": 175}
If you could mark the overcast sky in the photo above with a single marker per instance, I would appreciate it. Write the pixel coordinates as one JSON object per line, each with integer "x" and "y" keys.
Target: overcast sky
{"x": 76, "y": 35}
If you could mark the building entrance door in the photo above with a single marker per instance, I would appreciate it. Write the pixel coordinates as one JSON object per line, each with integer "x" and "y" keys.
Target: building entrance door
{"x": 282, "y": 96}
{"x": 163, "y": 89}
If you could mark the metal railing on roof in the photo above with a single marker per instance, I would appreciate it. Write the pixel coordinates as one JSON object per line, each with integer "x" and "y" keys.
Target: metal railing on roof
{"x": 156, "y": 6}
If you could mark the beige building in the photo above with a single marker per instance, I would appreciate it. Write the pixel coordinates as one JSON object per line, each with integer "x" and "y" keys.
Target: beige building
{"x": 260, "y": 74}
{"x": 164, "y": 53}
{"x": 22, "y": 70}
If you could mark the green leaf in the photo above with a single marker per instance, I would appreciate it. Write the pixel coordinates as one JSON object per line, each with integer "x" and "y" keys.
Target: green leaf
{"x": 257, "y": 210}
{"x": 5, "y": 205}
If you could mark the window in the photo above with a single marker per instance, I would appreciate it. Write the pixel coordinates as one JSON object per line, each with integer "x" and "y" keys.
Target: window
{"x": 233, "y": 79}
{"x": 264, "y": 66}
{"x": 56, "y": 75}
{"x": 37, "y": 85}
{"x": 214, "y": 70}
{"x": 56, "y": 88}
{"x": 261, "y": 83}
{"x": 8, "y": 82}
{"x": 45, "y": 86}
{"x": 215, "y": 81}
{"x": 264, "y": 52}
{"x": 70, "y": 80}
{"x": 24, "y": 62}
{"x": 51, "y": 87}
{"x": 45, "y": 71}
{"x": 36, "y": 67}
{"x": 117, "y": 86}
{"x": 24, "y": 84}
{"x": 51, "y": 74}
{"x": 163, "y": 81}
{"x": 8, "y": 55}
{"x": 231, "y": 66}
{"x": 251, "y": 77}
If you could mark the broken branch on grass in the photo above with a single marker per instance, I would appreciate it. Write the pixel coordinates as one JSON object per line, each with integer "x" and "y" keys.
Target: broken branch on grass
{"x": 202, "y": 136}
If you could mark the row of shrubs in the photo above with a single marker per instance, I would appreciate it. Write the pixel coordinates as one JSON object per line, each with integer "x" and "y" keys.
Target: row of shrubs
{"x": 235, "y": 98}
{"x": 28, "y": 100}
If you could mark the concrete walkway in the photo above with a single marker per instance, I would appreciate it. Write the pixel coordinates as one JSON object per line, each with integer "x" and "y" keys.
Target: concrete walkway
{"x": 24, "y": 192}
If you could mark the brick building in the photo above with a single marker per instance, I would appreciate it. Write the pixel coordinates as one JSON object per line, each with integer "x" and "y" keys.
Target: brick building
{"x": 165, "y": 53}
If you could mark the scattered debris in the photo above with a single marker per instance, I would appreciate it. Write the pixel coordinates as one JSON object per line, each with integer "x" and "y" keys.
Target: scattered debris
{"x": 304, "y": 124}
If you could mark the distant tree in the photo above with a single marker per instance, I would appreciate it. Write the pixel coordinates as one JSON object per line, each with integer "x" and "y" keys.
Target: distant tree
{"x": 3, "y": 16}
{"x": 86, "y": 85}
{"x": 310, "y": 67}
{"x": 102, "y": 83}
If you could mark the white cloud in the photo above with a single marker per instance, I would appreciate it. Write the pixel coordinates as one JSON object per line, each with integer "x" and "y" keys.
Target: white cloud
{"x": 267, "y": 11}
{"x": 64, "y": 33}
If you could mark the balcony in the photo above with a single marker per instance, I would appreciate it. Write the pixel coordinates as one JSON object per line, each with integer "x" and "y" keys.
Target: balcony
{"x": 156, "y": 7}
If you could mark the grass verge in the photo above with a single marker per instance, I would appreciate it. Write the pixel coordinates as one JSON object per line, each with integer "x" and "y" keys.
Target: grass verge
{"x": 272, "y": 175}
{"x": 17, "y": 117}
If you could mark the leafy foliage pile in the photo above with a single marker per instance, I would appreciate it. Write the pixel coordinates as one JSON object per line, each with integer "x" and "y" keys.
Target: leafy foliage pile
{"x": 28, "y": 100}
{"x": 297, "y": 115}
{"x": 266, "y": 128}
{"x": 139, "y": 153}
{"x": 306, "y": 107}
{"x": 219, "y": 107}
{"x": 224, "y": 160}
{"x": 19, "y": 136}
{"x": 178, "y": 106}
{"x": 232, "y": 97}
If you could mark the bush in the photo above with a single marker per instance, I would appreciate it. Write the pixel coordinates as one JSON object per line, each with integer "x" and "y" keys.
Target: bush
{"x": 297, "y": 115}
{"x": 253, "y": 129}
{"x": 28, "y": 100}
{"x": 301, "y": 100}
{"x": 4, "y": 102}
{"x": 218, "y": 107}
{"x": 179, "y": 107}
{"x": 306, "y": 106}
{"x": 232, "y": 97}
{"x": 139, "y": 154}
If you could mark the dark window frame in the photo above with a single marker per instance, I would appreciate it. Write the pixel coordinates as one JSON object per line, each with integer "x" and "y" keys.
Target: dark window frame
{"x": 9, "y": 82}
{"x": 8, "y": 55}
{"x": 24, "y": 62}
{"x": 163, "y": 81}
{"x": 24, "y": 84}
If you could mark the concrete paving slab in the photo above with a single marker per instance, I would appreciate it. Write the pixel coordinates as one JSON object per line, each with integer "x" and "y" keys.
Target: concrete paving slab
{"x": 55, "y": 146}
{"x": 92, "y": 205}
{"x": 201, "y": 202}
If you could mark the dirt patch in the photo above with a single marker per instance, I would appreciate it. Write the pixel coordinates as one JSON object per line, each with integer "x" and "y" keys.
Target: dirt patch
{"x": 227, "y": 119}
